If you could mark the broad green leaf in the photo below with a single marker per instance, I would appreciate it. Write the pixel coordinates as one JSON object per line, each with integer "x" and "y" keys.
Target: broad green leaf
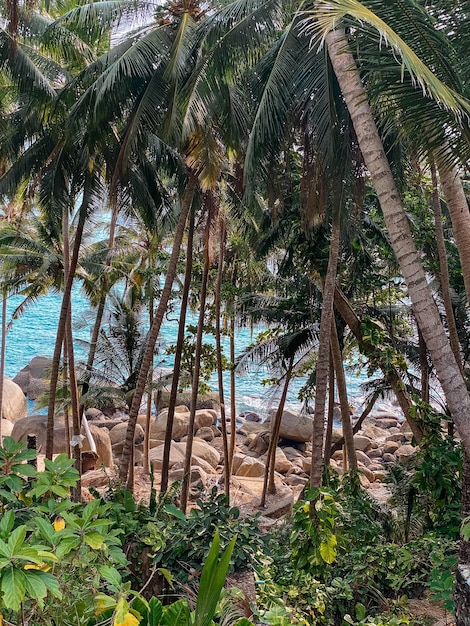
{"x": 111, "y": 575}
{"x": 327, "y": 549}
{"x": 155, "y": 612}
{"x": 16, "y": 539}
{"x": 6, "y": 523}
{"x": 13, "y": 586}
{"x": 91, "y": 510}
{"x": 171, "y": 509}
{"x": 94, "y": 540}
{"x": 177, "y": 614}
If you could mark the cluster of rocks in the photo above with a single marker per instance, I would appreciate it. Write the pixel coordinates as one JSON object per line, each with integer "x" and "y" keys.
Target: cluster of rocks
{"x": 381, "y": 440}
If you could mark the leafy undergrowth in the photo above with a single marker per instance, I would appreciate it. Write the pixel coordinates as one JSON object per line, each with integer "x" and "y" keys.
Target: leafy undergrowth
{"x": 341, "y": 559}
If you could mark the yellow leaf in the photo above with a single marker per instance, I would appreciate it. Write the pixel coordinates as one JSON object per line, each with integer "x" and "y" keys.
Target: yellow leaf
{"x": 129, "y": 620}
{"x": 44, "y": 567}
{"x": 59, "y": 523}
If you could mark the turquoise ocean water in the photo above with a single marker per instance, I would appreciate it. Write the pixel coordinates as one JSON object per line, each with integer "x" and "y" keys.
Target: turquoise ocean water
{"x": 33, "y": 334}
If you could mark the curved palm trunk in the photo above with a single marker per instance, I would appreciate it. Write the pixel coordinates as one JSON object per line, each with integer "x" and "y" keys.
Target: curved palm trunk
{"x": 460, "y": 217}
{"x": 220, "y": 378}
{"x": 196, "y": 371}
{"x": 61, "y": 327}
{"x": 178, "y": 356}
{"x": 344, "y": 308}
{"x": 343, "y": 398}
{"x": 269, "y": 482}
{"x": 323, "y": 360}
{"x": 424, "y": 307}
{"x": 444, "y": 269}
{"x": 147, "y": 359}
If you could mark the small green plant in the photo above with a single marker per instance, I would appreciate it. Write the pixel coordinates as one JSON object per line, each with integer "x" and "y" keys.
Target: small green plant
{"x": 14, "y": 472}
{"x": 313, "y": 540}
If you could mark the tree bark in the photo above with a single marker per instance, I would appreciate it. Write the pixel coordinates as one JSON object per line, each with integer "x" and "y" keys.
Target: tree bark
{"x": 460, "y": 217}
{"x": 343, "y": 398}
{"x": 269, "y": 484}
{"x": 196, "y": 371}
{"x": 178, "y": 355}
{"x": 444, "y": 269}
{"x": 61, "y": 327}
{"x": 424, "y": 307}
{"x": 344, "y": 308}
{"x": 2, "y": 356}
{"x": 331, "y": 406}
{"x": 147, "y": 359}
{"x": 323, "y": 361}
{"x": 220, "y": 377}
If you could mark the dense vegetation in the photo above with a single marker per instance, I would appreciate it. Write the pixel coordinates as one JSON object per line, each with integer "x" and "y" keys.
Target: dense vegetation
{"x": 303, "y": 166}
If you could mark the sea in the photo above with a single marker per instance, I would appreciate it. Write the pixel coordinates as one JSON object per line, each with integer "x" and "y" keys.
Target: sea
{"x": 33, "y": 334}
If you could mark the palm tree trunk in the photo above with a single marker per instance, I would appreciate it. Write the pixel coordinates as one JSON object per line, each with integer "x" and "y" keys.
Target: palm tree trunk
{"x": 178, "y": 356}
{"x": 398, "y": 228}
{"x": 323, "y": 361}
{"x": 343, "y": 398}
{"x": 220, "y": 377}
{"x": 233, "y": 388}
{"x": 2, "y": 356}
{"x": 444, "y": 270}
{"x": 460, "y": 217}
{"x": 344, "y": 308}
{"x": 197, "y": 370}
{"x": 424, "y": 367}
{"x": 147, "y": 359}
{"x": 331, "y": 406}
{"x": 69, "y": 351}
{"x": 269, "y": 482}
{"x": 61, "y": 327}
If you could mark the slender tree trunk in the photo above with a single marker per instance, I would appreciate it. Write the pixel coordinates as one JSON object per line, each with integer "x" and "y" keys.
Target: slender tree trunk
{"x": 65, "y": 378}
{"x": 444, "y": 269}
{"x": 269, "y": 484}
{"x": 61, "y": 327}
{"x": 148, "y": 412}
{"x": 424, "y": 307}
{"x": 343, "y": 398}
{"x": 69, "y": 351}
{"x": 220, "y": 373}
{"x": 233, "y": 388}
{"x": 197, "y": 370}
{"x": 178, "y": 356}
{"x": 323, "y": 361}
{"x": 424, "y": 367}
{"x": 155, "y": 330}
{"x": 460, "y": 217}
{"x": 344, "y": 308}
{"x": 331, "y": 406}
{"x": 2, "y": 356}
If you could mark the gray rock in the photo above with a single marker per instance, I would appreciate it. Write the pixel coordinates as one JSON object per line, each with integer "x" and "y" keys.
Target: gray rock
{"x": 362, "y": 443}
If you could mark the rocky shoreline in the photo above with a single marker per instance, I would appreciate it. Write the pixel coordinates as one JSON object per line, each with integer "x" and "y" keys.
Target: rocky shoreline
{"x": 382, "y": 439}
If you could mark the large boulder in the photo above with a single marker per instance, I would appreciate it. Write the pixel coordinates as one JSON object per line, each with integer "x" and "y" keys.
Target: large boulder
{"x": 180, "y": 424}
{"x": 36, "y": 425}
{"x": 34, "y": 378}
{"x": 296, "y": 426}
{"x": 14, "y": 403}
